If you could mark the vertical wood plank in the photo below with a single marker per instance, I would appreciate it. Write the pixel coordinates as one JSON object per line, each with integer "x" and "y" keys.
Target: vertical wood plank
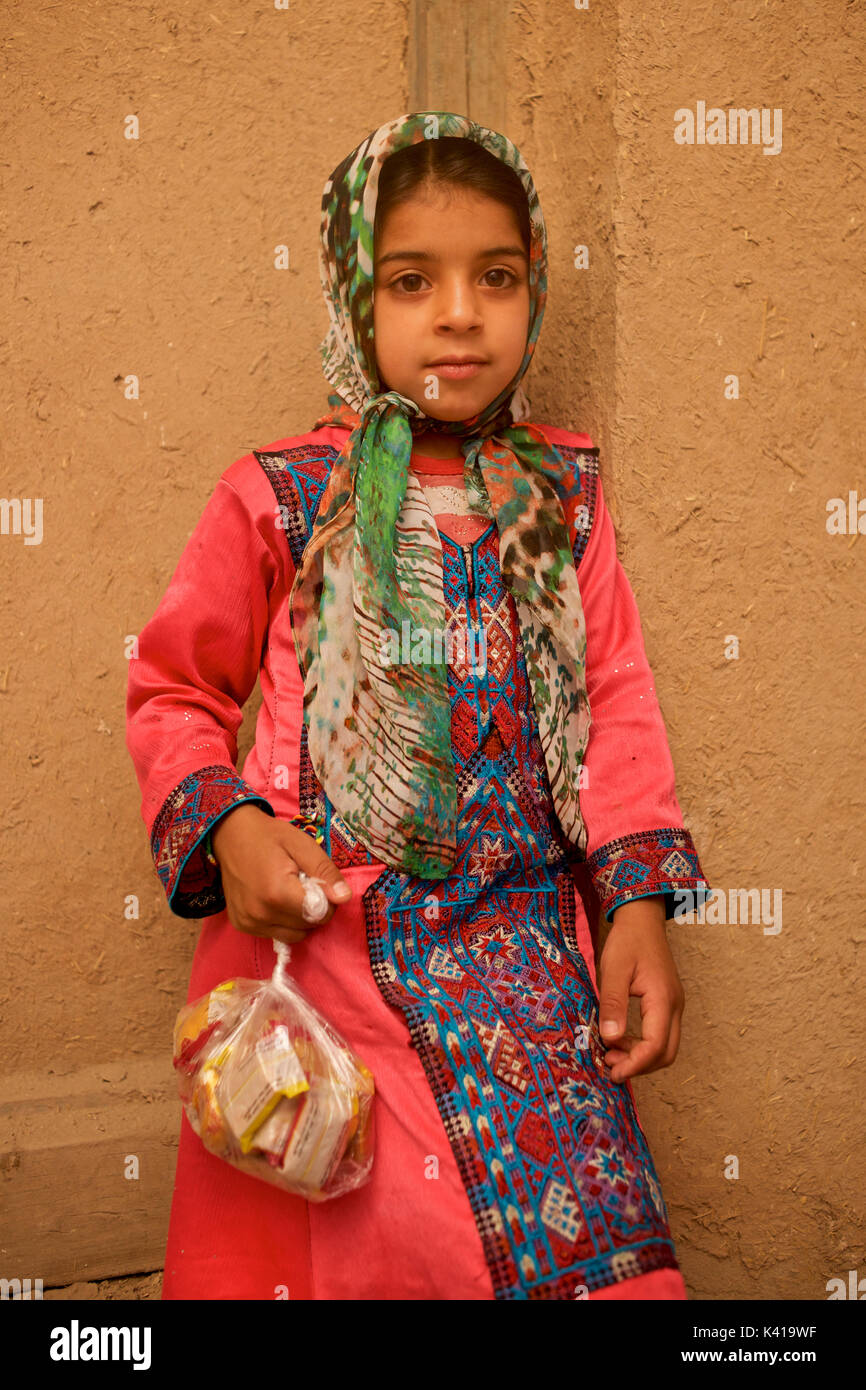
{"x": 457, "y": 58}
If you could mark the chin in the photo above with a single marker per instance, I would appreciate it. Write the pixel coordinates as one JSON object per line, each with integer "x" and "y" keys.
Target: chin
{"x": 461, "y": 407}
{"x": 434, "y": 409}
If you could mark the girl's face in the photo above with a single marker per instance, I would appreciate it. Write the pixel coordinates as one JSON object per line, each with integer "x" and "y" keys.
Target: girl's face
{"x": 451, "y": 280}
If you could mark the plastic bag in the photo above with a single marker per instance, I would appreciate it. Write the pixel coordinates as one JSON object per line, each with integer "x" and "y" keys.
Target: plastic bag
{"x": 268, "y": 1085}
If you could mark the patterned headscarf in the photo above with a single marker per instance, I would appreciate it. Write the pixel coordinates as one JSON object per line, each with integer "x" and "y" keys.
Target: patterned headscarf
{"x": 379, "y": 736}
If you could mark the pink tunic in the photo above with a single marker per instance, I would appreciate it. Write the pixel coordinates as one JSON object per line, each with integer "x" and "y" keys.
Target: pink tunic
{"x": 438, "y": 1219}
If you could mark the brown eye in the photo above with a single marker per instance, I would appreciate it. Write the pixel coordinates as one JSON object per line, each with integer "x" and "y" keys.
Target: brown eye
{"x": 413, "y": 275}
{"x": 501, "y": 270}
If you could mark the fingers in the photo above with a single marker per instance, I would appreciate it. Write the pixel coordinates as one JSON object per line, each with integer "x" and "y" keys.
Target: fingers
{"x": 674, "y": 1039}
{"x": 655, "y": 1049}
{"x": 627, "y": 968}
{"x": 616, "y": 978}
{"x": 312, "y": 860}
{"x": 292, "y": 909}
{"x": 282, "y": 905}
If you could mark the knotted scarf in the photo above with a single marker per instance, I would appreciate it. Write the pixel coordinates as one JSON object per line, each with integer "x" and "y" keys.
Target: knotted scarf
{"x": 379, "y": 733}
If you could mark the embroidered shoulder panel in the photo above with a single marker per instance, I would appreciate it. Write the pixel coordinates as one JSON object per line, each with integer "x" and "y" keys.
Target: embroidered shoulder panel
{"x": 298, "y": 477}
{"x": 579, "y": 503}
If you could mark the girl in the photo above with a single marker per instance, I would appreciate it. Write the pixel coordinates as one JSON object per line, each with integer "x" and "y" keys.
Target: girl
{"x": 458, "y": 730}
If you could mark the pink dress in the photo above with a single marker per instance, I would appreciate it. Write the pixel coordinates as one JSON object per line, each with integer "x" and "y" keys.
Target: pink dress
{"x": 507, "y": 1165}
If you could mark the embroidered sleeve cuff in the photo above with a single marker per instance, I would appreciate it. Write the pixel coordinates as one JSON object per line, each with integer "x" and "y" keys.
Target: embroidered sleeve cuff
{"x": 649, "y": 862}
{"x": 192, "y": 884}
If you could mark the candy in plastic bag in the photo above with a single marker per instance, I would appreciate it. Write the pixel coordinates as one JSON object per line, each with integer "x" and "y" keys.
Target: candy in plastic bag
{"x": 268, "y": 1085}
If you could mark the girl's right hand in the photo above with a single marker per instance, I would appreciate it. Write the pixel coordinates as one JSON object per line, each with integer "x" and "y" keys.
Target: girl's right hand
{"x": 260, "y": 859}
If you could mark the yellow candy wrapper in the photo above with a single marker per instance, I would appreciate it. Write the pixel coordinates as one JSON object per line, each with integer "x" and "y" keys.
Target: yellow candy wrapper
{"x": 269, "y": 1086}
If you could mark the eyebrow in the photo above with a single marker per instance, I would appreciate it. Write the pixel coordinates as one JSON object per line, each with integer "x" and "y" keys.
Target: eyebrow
{"x": 508, "y": 250}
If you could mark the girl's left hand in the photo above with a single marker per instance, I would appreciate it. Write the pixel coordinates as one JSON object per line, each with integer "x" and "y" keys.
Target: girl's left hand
{"x": 636, "y": 960}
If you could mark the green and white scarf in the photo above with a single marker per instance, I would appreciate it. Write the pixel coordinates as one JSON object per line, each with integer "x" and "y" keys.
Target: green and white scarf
{"x": 379, "y": 736}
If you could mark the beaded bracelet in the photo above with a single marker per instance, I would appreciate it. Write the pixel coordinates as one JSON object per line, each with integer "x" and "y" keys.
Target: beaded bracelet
{"x": 305, "y": 823}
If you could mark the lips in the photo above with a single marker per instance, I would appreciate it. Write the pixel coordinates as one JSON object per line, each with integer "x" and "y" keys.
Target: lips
{"x": 458, "y": 361}
{"x": 457, "y": 371}
{"x": 456, "y": 368}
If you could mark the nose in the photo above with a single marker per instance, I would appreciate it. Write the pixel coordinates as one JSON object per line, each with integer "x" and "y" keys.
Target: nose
{"x": 457, "y": 304}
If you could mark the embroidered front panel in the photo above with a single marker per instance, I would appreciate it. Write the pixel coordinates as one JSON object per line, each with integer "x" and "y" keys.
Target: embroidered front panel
{"x": 498, "y": 1000}
{"x": 485, "y": 965}
{"x": 298, "y": 477}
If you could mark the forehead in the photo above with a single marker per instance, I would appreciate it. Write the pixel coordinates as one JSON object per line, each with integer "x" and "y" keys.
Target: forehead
{"x": 424, "y": 221}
